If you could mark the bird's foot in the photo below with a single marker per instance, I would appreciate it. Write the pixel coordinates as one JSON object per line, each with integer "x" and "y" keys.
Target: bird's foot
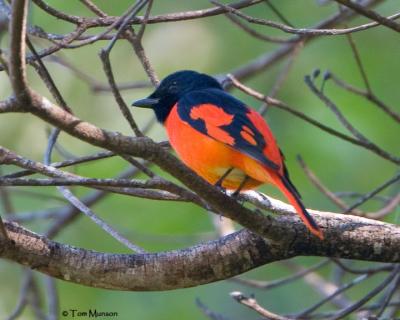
{"x": 235, "y": 194}
{"x": 219, "y": 186}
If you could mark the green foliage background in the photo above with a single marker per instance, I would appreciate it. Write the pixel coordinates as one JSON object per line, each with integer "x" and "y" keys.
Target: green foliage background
{"x": 212, "y": 45}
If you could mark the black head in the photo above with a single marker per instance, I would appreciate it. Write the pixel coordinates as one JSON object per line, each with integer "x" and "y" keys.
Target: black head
{"x": 174, "y": 87}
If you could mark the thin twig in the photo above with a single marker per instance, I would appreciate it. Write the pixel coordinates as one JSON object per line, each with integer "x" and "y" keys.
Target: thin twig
{"x": 319, "y": 93}
{"x": 8, "y": 208}
{"x": 278, "y": 13}
{"x": 209, "y": 313}
{"x": 100, "y": 222}
{"x": 322, "y": 286}
{"x": 381, "y": 268}
{"x": 99, "y": 36}
{"x": 130, "y": 13}
{"x": 93, "y": 8}
{"x": 65, "y": 163}
{"x": 370, "y": 14}
{"x": 282, "y": 76}
{"x": 369, "y": 195}
{"x": 105, "y": 58}
{"x": 145, "y": 19}
{"x": 367, "y": 95}
{"x": 35, "y": 301}
{"x": 74, "y": 180}
{"x": 93, "y": 83}
{"x": 134, "y": 40}
{"x": 255, "y": 33}
{"x": 366, "y": 142}
{"x": 303, "y": 31}
{"x": 69, "y": 213}
{"x": 47, "y": 79}
{"x": 321, "y": 187}
{"x": 345, "y": 287}
{"x": 171, "y": 17}
{"x": 52, "y": 298}
{"x": 66, "y": 178}
{"x": 360, "y": 65}
{"x": 388, "y": 296}
{"x": 388, "y": 208}
{"x": 353, "y": 194}
{"x": 343, "y": 313}
{"x": 117, "y": 95}
{"x": 371, "y": 307}
{"x": 140, "y": 166}
{"x": 267, "y": 285}
{"x": 23, "y": 295}
{"x": 253, "y": 304}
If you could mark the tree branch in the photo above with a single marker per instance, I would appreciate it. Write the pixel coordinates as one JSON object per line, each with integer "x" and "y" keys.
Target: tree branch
{"x": 264, "y": 61}
{"x": 370, "y": 14}
{"x": 9, "y": 105}
{"x": 17, "y": 65}
{"x": 207, "y": 262}
{"x": 252, "y": 303}
{"x": 303, "y": 31}
{"x": 170, "y": 17}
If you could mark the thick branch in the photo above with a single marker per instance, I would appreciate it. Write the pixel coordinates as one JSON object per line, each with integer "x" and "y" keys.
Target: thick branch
{"x": 350, "y": 237}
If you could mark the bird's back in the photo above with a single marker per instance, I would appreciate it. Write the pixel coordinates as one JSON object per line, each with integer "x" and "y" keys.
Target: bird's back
{"x": 213, "y": 131}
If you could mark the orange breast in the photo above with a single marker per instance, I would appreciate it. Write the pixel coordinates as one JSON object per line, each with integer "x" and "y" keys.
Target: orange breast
{"x": 210, "y": 158}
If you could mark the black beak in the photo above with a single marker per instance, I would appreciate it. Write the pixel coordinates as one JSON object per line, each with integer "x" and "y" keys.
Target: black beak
{"x": 145, "y": 103}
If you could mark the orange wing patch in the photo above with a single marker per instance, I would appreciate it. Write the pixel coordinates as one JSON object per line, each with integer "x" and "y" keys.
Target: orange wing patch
{"x": 214, "y": 117}
{"x": 248, "y": 130}
{"x": 248, "y": 136}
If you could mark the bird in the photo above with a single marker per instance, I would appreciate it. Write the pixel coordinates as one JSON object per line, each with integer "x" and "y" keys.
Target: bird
{"x": 224, "y": 141}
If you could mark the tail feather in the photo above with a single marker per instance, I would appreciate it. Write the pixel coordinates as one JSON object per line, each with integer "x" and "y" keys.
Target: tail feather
{"x": 293, "y": 197}
{"x": 289, "y": 182}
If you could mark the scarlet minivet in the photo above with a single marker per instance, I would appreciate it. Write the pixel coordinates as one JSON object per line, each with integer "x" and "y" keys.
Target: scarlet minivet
{"x": 220, "y": 138}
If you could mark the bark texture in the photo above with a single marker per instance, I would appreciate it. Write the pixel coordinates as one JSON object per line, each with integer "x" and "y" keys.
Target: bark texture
{"x": 347, "y": 236}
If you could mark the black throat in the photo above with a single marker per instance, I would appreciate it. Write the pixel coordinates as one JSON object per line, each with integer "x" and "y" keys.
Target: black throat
{"x": 164, "y": 107}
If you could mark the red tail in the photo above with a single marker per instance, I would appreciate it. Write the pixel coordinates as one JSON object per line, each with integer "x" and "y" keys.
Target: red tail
{"x": 286, "y": 187}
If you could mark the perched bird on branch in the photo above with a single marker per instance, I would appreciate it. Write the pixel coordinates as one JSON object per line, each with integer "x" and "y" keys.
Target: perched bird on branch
{"x": 220, "y": 138}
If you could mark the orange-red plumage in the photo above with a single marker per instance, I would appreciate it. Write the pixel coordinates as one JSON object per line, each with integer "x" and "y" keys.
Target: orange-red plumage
{"x": 214, "y": 118}
{"x": 211, "y": 157}
{"x": 212, "y": 132}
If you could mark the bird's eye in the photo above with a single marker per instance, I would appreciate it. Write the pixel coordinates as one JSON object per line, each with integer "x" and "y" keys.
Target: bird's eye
{"x": 173, "y": 86}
